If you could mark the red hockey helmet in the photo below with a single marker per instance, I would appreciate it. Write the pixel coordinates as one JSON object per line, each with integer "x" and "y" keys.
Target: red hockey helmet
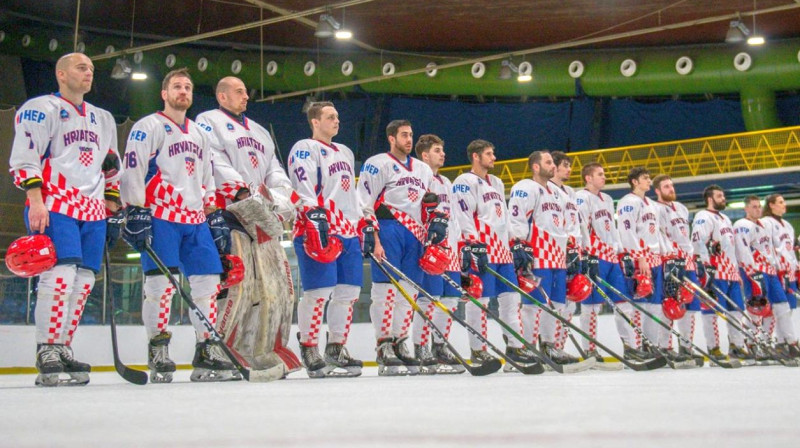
{"x": 759, "y": 306}
{"x": 435, "y": 259}
{"x": 643, "y": 286}
{"x": 29, "y": 256}
{"x": 325, "y": 254}
{"x": 472, "y": 284}
{"x": 527, "y": 281}
{"x": 673, "y": 309}
{"x": 685, "y": 295}
{"x": 232, "y": 270}
{"x": 579, "y": 288}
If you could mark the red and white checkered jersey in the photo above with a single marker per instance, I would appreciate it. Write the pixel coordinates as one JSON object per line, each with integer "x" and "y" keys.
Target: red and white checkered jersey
{"x": 482, "y": 214}
{"x": 599, "y": 235}
{"x": 754, "y": 249}
{"x": 398, "y": 185}
{"x": 673, "y": 220}
{"x": 443, "y": 188}
{"x": 244, "y": 156}
{"x": 537, "y": 215}
{"x": 637, "y": 222}
{"x": 323, "y": 175}
{"x": 168, "y": 168}
{"x": 64, "y": 145}
{"x": 782, "y": 234}
{"x": 571, "y": 214}
{"x": 714, "y": 226}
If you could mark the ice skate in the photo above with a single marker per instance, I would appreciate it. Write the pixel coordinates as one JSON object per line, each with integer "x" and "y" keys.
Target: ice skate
{"x": 634, "y": 354}
{"x": 699, "y": 360}
{"x": 601, "y": 364}
{"x": 78, "y": 371}
{"x": 402, "y": 353}
{"x": 312, "y": 361}
{"x": 675, "y": 360}
{"x": 388, "y": 363}
{"x": 340, "y": 363}
{"x": 557, "y": 355}
{"x": 481, "y": 356}
{"x": 161, "y": 367}
{"x": 211, "y": 364}
{"x": 448, "y": 364}
{"x": 716, "y": 354}
{"x": 427, "y": 362}
{"x": 525, "y": 358}
{"x": 49, "y": 365}
{"x": 742, "y": 355}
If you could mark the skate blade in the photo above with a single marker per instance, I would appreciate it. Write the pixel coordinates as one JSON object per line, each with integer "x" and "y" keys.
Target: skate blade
{"x": 608, "y": 366}
{"x": 160, "y": 377}
{"x": 576, "y": 367}
{"x": 201, "y": 375}
{"x": 428, "y": 370}
{"x": 265, "y": 375}
{"x": 392, "y": 371}
{"x": 343, "y": 372}
{"x": 447, "y": 369}
{"x": 683, "y": 365}
{"x": 56, "y": 380}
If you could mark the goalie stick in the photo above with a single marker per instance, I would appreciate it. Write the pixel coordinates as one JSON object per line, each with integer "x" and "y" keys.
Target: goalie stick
{"x": 216, "y": 338}
{"x": 655, "y": 363}
{"x": 128, "y": 374}
{"x": 479, "y": 370}
{"x": 722, "y": 363}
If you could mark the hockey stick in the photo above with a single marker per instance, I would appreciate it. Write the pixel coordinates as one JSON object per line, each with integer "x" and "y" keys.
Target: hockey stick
{"x": 722, "y": 363}
{"x": 652, "y": 364}
{"x": 673, "y": 364}
{"x": 479, "y": 370}
{"x": 128, "y": 374}
{"x": 533, "y": 369}
{"x": 216, "y": 338}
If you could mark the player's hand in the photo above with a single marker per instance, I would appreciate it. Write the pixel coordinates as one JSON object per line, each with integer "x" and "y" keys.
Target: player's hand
{"x": 138, "y": 231}
{"x": 573, "y": 261}
{"x": 522, "y": 254}
{"x": 317, "y": 218}
{"x": 379, "y": 253}
{"x": 38, "y": 217}
{"x": 366, "y": 234}
{"x": 474, "y": 255}
{"x": 437, "y": 228}
{"x": 626, "y": 262}
{"x": 220, "y": 232}
{"x": 429, "y": 203}
{"x": 114, "y": 224}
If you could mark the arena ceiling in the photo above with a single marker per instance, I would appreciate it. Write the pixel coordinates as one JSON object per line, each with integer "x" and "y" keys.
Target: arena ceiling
{"x": 443, "y": 26}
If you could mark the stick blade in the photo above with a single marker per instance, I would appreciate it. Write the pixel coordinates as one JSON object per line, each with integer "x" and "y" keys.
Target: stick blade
{"x": 577, "y": 367}
{"x": 486, "y": 368}
{"x": 653, "y": 364}
{"x": 532, "y": 369}
{"x": 132, "y": 376}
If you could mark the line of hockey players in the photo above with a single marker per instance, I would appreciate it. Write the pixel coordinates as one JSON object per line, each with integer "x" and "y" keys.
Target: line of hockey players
{"x": 208, "y": 198}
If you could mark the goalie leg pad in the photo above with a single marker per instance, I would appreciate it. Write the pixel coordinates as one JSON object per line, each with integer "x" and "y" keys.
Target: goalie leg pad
{"x": 158, "y": 292}
{"x": 55, "y": 287}
{"x": 340, "y": 312}
{"x": 257, "y": 218}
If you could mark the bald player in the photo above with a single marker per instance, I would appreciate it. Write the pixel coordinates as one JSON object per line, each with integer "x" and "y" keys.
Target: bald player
{"x": 65, "y": 157}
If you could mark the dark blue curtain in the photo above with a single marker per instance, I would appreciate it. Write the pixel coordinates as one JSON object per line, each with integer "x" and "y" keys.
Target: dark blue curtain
{"x": 789, "y": 110}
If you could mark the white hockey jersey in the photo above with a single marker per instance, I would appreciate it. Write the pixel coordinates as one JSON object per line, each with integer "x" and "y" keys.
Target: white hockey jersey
{"x": 323, "y": 175}
{"x": 244, "y": 157}
{"x": 673, "y": 220}
{"x": 443, "y": 189}
{"x": 637, "y": 222}
{"x": 782, "y": 234}
{"x": 64, "y": 145}
{"x": 168, "y": 168}
{"x": 599, "y": 233}
{"x": 571, "y": 214}
{"x": 385, "y": 180}
{"x": 537, "y": 215}
{"x": 754, "y": 249}
{"x": 714, "y": 226}
{"x": 482, "y": 214}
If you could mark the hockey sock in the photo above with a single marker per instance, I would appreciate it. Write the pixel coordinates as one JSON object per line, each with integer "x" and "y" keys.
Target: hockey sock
{"x": 51, "y": 312}
{"x": 509, "y": 303}
{"x": 785, "y": 327}
{"x": 476, "y": 318}
{"x": 686, "y": 328}
{"x": 205, "y": 289}
{"x": 531, "y": 315}
{"x": 442, "y": 320}
{"x": 562, "y": 332}
{"x": 340, "y": 312}
{"x": 381, "y": 311}
{"x": 309, "y": 314}
{"x": 158, "y": 292}
{"x": 403, "y": 312}
{"x": 84, "y": 282}
{"x": 588, "y": 322}
{"x": 711, "y": 330}
{"x": 548, "y": 323}
{"x": 624, "y": 329}
{"x": 735, "y": 336}
{"x": 420, "y": 331}
{"x": 649, "y": 326}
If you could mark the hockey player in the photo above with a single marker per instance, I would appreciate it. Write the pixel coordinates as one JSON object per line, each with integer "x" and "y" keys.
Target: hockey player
{"x": 483, "y": 219}
{"x": 326, "y": 242}
{"x": 430, "y": 149}
{"x": 537, "y": 219}
{"x": 715, "y": 250}
{"x": 637, "y": 223}
{"x": 758, "y": 267}
{"x": 169, "y": 190}
{"x": 782, "y": 235}
{"x": 605, "y": 258}
{"x": 244, "y": 165}
{"x": 64, "y": 156}
{"x": 391, "y": 190}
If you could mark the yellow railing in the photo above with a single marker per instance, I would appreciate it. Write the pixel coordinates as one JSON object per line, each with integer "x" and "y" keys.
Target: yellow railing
{"x": 723, "y": 154}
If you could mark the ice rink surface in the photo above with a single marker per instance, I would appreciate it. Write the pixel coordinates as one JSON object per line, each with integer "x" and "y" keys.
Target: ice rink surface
{"x": 707, "y": 407}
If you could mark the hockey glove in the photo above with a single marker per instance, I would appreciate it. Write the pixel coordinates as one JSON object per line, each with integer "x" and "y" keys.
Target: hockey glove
{"x": 523, "y": 255}
{"x": 317, "y": 217}
{"x": 114, "y": 225}
{"x": 626, "y": 262}
{"x": 758, "y": 285}
{"x": 220, "y": 232}
{"x": 474, "y": 255}
{"x": 573, "y": 261}
{"x": 714, "y": 248}
{"x": 429, "y": 203}
{"x": 366, "y": 234}
{"x": 674, "y": 266}
{"x": 138, "y": 231}
{"x": 437, "y": 228}
{"x": 592, "y": 267}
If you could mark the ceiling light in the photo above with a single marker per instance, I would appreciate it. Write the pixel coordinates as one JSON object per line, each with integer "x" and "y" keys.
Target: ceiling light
{"x": 343, "y": 34}
{"x": 139, "y": 76}
{"x": 737, "y": 33}
{"x": 755, "y": 40}
{"x": 122, "y": 69}
{"x": 330, "y": 27}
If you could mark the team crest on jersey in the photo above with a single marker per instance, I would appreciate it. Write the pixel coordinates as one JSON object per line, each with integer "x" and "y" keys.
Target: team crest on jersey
{"x": 652, "y": 227}
{"x": 86, "y": 156}
{"x": 168, "y": 129}
{"x": 253, "y": 158}
{"x": 345, "y": 182}
{"x": 229, "y": 126}
{"x": 190, "y": 165}
{"x": 413, "y": 195}
{"x": 64, "y": 115}
{"x": 498, "y": 209}
{"x": 608, "y": 226}
{"x": 395, "y": 168}
{"x": 556, "y": 220}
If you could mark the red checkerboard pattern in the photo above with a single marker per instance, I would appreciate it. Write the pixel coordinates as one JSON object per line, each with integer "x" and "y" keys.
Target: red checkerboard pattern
{"x": 602, "y": 250}
{"x": 169, "y": 204}
{"x": 229, "y": 189}
{"x": 349, "y": 321}
{"x": 497, "y": 248}
{"x": 409, "y": 223}
{"x": 70, "y": 201}
{"x": 426, "y": 329}
{"x": 726, "y": 269}
{"x": 637, "y": 322}
{"x": 57, "y": 312}
{"x": 212, "y": 313}
{"x": 547, "y": 252}
{"x": 762, "y": 264}
{"x": 86, "y": 157}
{"x": 653, "y": 260}
{"x": 388, "y": 312}
{"x": 316, "y": 322}
{"x": 164, "y": 303}
{"x": 592, "y": 329}
{"x": 78, "y": 311}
